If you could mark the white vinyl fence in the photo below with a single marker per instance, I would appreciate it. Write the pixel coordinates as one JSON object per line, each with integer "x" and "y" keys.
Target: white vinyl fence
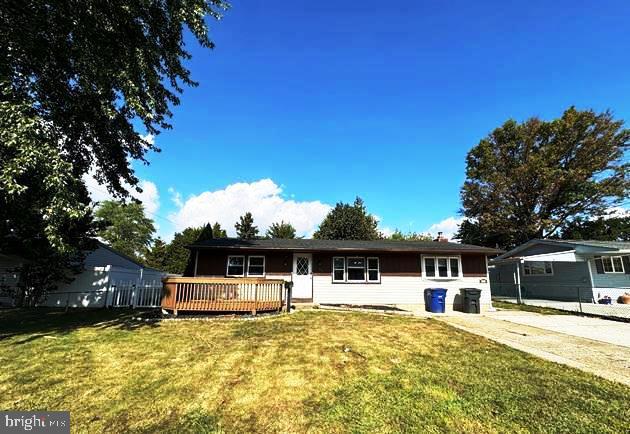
{"x": 133, "y": 294}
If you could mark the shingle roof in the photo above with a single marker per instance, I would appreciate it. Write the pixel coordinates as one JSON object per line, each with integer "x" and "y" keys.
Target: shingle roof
{"x": 622, "y": 245}
{"x": 336, "y": 245}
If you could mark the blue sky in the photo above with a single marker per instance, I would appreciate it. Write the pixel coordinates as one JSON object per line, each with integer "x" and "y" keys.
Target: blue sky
{"x": 328, "y": 100}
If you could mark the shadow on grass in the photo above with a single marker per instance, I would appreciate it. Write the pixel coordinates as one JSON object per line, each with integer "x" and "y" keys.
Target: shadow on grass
{"x": 35, "y": 323}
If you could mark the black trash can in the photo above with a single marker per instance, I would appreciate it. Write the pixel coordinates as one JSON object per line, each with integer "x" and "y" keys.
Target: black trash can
{"x": 471, "y": 302}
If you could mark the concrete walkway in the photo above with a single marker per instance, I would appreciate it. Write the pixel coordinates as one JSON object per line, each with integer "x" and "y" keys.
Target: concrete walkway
{"x": 594, "y": 345}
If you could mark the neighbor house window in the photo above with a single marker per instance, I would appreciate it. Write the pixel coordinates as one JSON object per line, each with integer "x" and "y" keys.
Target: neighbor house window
{"x": 441, "y": 267}
{"x": 537, "y": 268}
{"x": 339, "y": 269}
{"x": 612, "y": 264}
{"x": 256, "y": 266}
{"x": 236, "y": 266}
{"x": 356, "y": 269}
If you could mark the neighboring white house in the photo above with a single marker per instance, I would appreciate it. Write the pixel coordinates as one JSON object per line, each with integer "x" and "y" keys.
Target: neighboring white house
{"x": 562, "y": 269}
{"x": 109, "y": 278}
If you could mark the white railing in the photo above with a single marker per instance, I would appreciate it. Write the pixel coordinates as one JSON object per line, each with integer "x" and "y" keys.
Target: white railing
{"x": 132, "y": 294}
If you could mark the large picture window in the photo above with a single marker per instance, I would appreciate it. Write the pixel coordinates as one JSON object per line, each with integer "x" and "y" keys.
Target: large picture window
{"x": 356, "y": 269}
{"x": 612, "y": 264}
{"x": 256, "y": 266}
{"x": 441, "y": 267}
{"x": 537, "y": 268}
{"x": 236, "y": 266}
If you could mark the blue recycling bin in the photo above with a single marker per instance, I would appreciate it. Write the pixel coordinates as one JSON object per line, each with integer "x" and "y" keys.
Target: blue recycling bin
{"x": 437, "y": 300}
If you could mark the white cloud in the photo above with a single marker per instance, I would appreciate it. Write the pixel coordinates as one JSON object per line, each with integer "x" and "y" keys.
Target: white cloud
{"x": 386, "y": 231}
{"x": 262, "y": 198}
{"x": 448, "y": 227}
{"x": 149, "y": 138}
{"x": 149, "y": 197}
{"x": 617, "y": 211}
{"x": 176, "y": 197}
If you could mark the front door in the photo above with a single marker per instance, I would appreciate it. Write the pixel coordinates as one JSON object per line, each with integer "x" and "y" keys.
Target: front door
{"x": 302, "y": 275}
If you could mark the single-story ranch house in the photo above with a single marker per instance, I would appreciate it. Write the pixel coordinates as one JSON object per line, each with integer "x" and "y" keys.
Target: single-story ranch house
{"x": 558, "y": 269}
{"x": 381, "y": 272}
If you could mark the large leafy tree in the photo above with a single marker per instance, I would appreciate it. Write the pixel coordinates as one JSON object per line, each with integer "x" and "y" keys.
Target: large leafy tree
{"x": 245, "y": 228}
{"x": 45, "y": 212}
{"x": 348, "y": 222}
{"x": 125, "y": 227}
{"x": 603, "y": 229}
{"x": 74, "y": 80}
{"x": 531, "y": 179}
{"x": 398, "y": 235}
{"x": 281, "y": 230}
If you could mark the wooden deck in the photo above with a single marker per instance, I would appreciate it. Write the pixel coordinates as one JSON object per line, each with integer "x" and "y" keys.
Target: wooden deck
{"x": 198, "y": 294}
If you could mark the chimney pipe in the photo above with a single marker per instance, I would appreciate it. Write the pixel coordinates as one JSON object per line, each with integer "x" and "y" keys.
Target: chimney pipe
{"x": 440, "y": 238}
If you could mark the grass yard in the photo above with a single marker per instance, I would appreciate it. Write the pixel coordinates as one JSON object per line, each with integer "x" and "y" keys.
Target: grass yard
{"x": 306, "y": 372}
{"x": 529, "y": 308}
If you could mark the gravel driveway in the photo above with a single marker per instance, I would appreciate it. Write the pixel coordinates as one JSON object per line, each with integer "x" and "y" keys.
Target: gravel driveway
{"x": 594, "y": 345}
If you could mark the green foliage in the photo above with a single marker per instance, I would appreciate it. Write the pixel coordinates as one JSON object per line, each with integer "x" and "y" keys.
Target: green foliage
{"x": 155, "y": 256}
{"x": 206, "y": 233}
{"x": 604, "y": 229}
{"x": 245, "y": 228}
{"x": 348, "y": 222}
{"x": 74, "y": 79}
{"x": 218, "y": 232}
{"x": 281, "y": 230}
{"x": 409, "y": 236}
{"x": 177, "y": 258}
{"x": 45, "y": 213}
{"x": 174, "y": 257}
{"x": 529, "y": 180}
{"x": 89, "y": 72}
{"x": 125, "y": 227}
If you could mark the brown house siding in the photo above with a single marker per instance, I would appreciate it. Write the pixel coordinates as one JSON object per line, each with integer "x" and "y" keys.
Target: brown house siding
{"x": 393, "y": 264}
{"x": 213, "y": 263}
{"x": 474, "y": 265}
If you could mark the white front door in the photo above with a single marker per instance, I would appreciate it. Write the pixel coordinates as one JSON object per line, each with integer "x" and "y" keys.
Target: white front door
{"x": 302, "y": 275}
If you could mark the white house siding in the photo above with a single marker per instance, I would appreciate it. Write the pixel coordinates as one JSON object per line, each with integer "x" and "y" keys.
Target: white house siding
{"x": 608, "y": 284}
{"x": 88, "y": 289}
{"x": 395, "y": 290}
{"x": 568, "y": 256}
{"x": 92, "y": 288}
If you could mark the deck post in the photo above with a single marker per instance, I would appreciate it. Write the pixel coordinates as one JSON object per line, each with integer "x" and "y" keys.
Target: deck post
{"x": 255, "y": 298}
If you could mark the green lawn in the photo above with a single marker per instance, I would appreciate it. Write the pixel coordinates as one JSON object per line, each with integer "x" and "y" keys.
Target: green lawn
{"x": 306, "y": 372}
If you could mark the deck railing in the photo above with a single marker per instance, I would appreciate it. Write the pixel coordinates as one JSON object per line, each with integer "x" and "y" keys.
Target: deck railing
{"x": 222, "y": 294}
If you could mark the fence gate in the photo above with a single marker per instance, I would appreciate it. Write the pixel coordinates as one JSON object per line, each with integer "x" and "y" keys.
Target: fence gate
{"x": 135, "y": 294}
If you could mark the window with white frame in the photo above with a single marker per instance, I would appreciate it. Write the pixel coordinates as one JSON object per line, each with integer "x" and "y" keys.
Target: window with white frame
{"x": 373, "y": 270}
{"x": 356, "y": 269}
{"x": 441, "y": 267}
{"x": 537, "y": 268}
{"x": 256, "y": 266}
{"x": 612, "y": 264}
{"x": 339, "y": 269}
{"x": 236, "y": 266}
